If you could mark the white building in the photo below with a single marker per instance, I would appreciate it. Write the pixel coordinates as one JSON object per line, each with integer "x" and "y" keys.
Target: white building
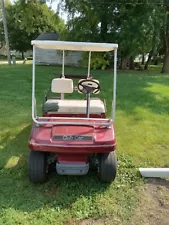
{"x": 53, "y": 57}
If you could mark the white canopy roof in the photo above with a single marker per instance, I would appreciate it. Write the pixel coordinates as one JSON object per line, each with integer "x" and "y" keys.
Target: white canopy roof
{"x": 74, "y": 46}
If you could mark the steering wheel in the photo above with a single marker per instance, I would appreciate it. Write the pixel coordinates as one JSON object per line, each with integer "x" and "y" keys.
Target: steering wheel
{"x": 88, "y": 86}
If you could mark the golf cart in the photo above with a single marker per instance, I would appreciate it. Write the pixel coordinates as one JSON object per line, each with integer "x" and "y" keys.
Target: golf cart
{"x": 73, "y": 134}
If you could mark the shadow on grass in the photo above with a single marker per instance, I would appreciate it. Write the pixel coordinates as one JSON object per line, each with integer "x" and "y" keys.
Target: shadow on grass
{"x": 59, "y": 192}
{"x": 15, "y": 148}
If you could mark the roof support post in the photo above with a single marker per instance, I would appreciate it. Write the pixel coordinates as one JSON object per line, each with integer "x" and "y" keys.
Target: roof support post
{"x": 63, "y": 71}
{"x": 89, "y": 61}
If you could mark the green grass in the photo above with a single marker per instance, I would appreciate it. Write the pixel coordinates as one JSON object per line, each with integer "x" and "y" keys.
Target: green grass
{"x": 142, "y": 140}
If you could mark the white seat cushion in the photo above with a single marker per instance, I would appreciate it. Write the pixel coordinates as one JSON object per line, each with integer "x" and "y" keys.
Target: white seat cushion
{"x": 75, "y": 106}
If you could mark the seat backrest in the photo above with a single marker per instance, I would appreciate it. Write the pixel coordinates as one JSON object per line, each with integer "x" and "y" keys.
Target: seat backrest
{"x": 62, "y": 85}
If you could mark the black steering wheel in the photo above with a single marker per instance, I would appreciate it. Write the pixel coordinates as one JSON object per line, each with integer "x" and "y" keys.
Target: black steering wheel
{"x": 88, "y": 86}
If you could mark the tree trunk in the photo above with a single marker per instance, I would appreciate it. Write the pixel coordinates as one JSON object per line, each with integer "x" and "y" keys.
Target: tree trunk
{"x": 153, "y": 46}
{"x": 22, "y": 55}
{"x": 165, "y": 68}
{"x": 156, "y": 62}
{"x": 103, "y": 30}
{"x": 123, "y": 64}
{"x": 131, "y": 66}
{"x": 155, "y": 59}
{"x": 120, "y": 63}
{"x": 143, "y": 59}
{"x": 5, "y": 31}
{"x": 148, "y": 60}
{"x": 104, "y": 23}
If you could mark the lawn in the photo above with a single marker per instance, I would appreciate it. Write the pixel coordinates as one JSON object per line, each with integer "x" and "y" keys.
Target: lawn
{"x": 142, "y": 124}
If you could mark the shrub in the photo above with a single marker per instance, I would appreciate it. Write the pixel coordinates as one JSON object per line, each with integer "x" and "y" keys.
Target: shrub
{"x": 98, "y": 60}
{"x": 3, "y": 57}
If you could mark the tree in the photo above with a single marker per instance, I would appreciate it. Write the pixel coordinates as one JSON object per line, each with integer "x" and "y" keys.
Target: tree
{"x": 165, "y": 32}
{"x": 156, "y": 22}
{"x": 28, "y": 20}
{"x": 128, "y": 23}
{"x": 139, "y": 27}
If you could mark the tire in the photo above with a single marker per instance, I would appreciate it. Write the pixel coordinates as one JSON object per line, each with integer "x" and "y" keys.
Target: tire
{"x": 37, "y": 167}
{"x": 107, "y": 167}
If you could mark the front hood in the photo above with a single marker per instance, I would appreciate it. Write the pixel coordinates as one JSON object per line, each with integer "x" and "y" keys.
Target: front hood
{"x": 75, "y": 135}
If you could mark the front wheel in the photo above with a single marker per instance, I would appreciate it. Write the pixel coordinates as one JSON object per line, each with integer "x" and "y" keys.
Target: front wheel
{"x": 107, "y": 167}
{"x": 37, "y": 166}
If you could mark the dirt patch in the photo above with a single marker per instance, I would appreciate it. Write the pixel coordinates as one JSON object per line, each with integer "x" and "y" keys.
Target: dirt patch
{"x": 92, "y": 222}
{"x": 89, "y": 222}
{"x": 153, "y": 207}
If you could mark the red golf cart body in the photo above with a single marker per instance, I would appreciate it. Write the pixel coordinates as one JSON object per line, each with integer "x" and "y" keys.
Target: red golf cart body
{"x": 99, "y": 140}
{"x": 72, "y": 130}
